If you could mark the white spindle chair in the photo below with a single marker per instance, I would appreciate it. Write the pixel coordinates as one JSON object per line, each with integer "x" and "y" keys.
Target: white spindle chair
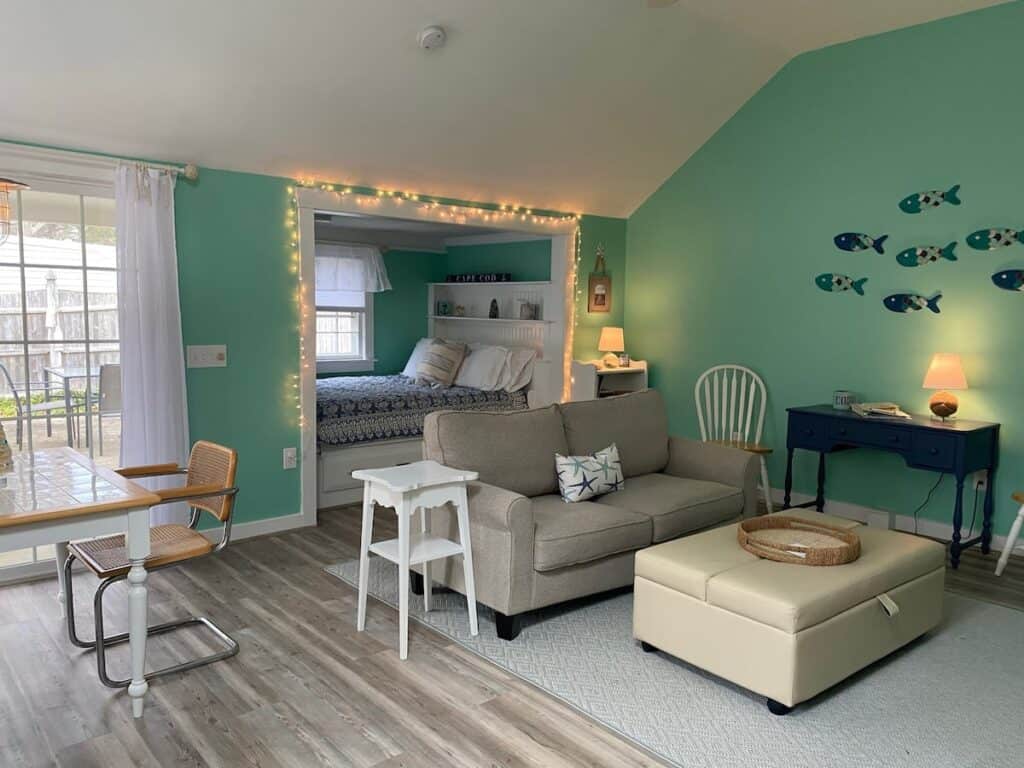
{"x": 731, "y": 401}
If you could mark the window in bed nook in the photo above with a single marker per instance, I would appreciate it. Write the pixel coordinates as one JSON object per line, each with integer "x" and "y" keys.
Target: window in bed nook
{"x": 347, "y": 276}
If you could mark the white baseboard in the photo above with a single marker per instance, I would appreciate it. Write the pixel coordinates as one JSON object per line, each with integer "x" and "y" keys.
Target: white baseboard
{"x": 265, "y": 527}
{"x": 877, "y": 518}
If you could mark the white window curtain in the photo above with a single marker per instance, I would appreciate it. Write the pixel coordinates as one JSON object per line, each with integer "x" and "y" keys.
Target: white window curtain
{"x": 345, "y": 272}
{"x": 155, "y": 410}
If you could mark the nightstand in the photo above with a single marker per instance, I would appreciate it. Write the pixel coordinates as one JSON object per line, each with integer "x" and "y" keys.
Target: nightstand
{"x": 591, "y": 380}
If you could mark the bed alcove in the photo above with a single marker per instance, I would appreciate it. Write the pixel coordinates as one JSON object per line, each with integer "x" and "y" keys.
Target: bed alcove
{"x": 325, "y": 480}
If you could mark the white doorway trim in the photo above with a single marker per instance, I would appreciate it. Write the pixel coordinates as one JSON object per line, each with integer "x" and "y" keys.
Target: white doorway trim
{"x": 313, "y": 200}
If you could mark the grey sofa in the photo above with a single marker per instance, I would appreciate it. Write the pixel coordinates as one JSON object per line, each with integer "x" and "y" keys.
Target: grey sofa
{"x": 532, "y": 549}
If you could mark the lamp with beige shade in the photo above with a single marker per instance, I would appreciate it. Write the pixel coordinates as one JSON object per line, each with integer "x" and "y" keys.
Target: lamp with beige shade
{"x": 945, "y": 372}
{"x": 612, "y": 342}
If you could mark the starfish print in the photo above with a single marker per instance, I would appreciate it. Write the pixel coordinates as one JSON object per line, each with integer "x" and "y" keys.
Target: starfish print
{"x": 614, "y": 485}
{"x": 579, "y": 463}
{"x": 603, "y": 465}
{"x": 586, "y": 484}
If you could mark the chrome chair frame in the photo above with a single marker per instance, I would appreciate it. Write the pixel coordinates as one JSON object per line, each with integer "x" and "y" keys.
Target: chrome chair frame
{"x": 102, "y": 642}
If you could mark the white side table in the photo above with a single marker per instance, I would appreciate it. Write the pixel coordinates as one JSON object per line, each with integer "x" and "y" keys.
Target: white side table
{"x": 421, "y": 485}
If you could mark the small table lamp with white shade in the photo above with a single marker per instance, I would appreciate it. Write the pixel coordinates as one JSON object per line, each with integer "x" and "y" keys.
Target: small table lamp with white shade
{"x": 945, "y": 372}
{"x": 612, "y": 343}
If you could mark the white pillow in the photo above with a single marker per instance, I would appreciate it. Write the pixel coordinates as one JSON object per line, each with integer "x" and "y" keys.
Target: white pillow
{"x": 584, "y": 477}
{"x": 418, "y": 353}
{"x": 518, "y": 370}
{"x": 482, "y": 367}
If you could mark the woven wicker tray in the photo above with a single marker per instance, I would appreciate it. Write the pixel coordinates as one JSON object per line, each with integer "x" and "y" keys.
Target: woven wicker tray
{"x": 795, "y": 540}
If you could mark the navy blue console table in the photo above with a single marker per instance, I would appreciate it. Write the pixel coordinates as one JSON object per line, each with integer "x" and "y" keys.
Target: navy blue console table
{"x": 955, "y": 447}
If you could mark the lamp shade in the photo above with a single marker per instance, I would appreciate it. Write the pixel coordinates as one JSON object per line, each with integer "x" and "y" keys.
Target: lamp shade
{"x": 945, "y": 372}
{"x": 611, "y": 340}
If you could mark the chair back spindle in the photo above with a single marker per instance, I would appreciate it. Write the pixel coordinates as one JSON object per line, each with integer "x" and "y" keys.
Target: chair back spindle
{"x": 731, "y": 402}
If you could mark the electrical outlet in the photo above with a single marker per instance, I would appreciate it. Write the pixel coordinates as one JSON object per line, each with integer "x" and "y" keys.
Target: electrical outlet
{"x": 288, "y": 458}
{"x": 979, "y": 480}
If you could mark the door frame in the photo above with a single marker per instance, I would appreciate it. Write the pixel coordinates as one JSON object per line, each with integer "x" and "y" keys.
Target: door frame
{"x": 312, "y": 200}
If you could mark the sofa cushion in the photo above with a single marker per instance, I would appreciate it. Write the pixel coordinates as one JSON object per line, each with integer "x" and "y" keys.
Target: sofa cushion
{"x": 636, "y": 423}
{"x": 569, "y": 534}
{"x": 793, "y": 597}
{"x": 677, "y": 505}
{"x": 514, "y": 450}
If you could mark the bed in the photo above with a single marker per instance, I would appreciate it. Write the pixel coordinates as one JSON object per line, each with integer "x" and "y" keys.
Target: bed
{"x": 377, "y": 421}
{"x": 362, "y": 409}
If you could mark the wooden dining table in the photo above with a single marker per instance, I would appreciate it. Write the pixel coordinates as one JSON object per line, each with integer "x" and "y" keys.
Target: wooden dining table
{"x": 58, "y": 495}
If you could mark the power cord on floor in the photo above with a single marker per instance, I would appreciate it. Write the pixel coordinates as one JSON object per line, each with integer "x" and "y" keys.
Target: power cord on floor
{"x": 974, "y": 511}
{"x": 927, "y": 499}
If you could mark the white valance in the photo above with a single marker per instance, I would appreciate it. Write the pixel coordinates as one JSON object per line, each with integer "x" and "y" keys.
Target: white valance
{"x": 349, "y": 268}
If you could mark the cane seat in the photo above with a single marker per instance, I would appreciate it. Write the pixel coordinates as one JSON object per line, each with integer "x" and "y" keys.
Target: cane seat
{"x": 168, "y": 544}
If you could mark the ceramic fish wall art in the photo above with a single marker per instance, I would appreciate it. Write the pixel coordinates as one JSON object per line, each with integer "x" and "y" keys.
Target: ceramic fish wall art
{"x": 926, "y": 254}
{"x": 911, "y": 302}
{"x": 838, "y": 283}
{"x": 922, "y": 201}
{"x": 990, "y": 239}
{"x": 855, "y": 241}
{"x": 1009, "y": 279}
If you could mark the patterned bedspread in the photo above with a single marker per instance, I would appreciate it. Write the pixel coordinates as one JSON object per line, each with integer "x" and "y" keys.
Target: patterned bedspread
{"x": 360, "y": 409}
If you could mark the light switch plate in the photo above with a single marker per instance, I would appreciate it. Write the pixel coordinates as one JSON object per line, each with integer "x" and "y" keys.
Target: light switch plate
{"x": 207, "y": 355}
{"x": 288, "y": 458}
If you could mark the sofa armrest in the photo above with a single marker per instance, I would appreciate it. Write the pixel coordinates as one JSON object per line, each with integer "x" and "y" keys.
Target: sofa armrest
{"x": 718, "y": 463}
{"x": 500, "y": 509}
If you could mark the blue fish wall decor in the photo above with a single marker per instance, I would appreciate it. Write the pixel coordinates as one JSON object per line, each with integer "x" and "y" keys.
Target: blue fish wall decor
{"x": 990, "y": 239}
{"x": 922, "y": 201}
{"x": 838, "y": 283}
{"x": 911, "y": 302}
{"x": 1009, "y": 279}
{"x": 855, "y": 241}
{"x": 926, "y": 254}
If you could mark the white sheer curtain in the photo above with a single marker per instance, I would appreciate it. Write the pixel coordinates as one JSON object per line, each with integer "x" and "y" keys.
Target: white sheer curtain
{"x": 342, "y": 267}
{"x": 154, "y": 408}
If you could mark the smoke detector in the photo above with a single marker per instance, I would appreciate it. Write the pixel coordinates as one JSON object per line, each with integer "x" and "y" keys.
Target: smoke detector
{"x": 431, "y": 37}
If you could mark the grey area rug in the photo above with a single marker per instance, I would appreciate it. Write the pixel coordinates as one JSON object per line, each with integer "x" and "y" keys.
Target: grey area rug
{"x": 952, "y": 698}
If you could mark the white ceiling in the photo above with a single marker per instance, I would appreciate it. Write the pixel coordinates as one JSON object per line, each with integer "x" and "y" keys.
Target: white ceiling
{"x": 576, "y": 105}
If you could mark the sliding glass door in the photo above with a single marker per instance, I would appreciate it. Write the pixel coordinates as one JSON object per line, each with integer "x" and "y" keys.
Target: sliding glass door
{"x": 60, "y": 378}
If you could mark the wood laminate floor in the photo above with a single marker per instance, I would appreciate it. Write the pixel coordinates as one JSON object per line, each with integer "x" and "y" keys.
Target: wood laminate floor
{"x": 305, "y": 690}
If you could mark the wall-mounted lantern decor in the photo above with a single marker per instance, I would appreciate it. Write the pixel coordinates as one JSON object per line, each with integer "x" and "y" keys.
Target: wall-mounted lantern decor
{"x": 599, "y": 290}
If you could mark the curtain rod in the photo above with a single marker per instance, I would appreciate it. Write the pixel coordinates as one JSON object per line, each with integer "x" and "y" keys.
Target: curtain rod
{"x": 378, "y": 246}
{"x": 190, "y": 171}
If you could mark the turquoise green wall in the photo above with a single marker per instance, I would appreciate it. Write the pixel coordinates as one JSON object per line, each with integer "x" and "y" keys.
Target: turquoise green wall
{"x": 400, "y": 315}
{"x": 526, "y": 260}
{"x": 722, "y": 258}
{"x": 236, "y": 288}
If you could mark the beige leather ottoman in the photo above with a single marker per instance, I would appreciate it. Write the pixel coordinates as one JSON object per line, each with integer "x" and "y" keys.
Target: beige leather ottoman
{"x": 785, "y": 631}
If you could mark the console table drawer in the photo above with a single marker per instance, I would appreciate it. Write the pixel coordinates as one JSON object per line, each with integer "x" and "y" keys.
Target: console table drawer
{"x": 937, "y": 451}
{"x": 806, "y": 432}
{"x": 869, "y": 433}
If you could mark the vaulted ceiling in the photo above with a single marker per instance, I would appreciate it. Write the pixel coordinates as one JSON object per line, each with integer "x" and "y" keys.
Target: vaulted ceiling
{"x": 577, "y": 105}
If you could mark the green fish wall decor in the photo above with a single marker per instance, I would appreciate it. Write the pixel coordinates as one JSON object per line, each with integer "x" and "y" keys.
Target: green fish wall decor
{"x": 922, "y": 201}
{"x": 990, "y": 239}
{"x": 828, "y": 281}
{"x": 926, "y": 254}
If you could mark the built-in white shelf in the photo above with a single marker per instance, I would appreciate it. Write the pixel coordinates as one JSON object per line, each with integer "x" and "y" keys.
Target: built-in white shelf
{"x": 489, "y": 320}
{"x": 510, "y": 283}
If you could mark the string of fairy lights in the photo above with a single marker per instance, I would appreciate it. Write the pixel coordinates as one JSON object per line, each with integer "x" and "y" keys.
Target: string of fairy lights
{"x": 431, "y": 206}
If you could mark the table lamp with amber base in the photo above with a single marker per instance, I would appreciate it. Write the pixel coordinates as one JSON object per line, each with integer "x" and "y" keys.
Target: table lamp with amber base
{"x": 945, "y": 372}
